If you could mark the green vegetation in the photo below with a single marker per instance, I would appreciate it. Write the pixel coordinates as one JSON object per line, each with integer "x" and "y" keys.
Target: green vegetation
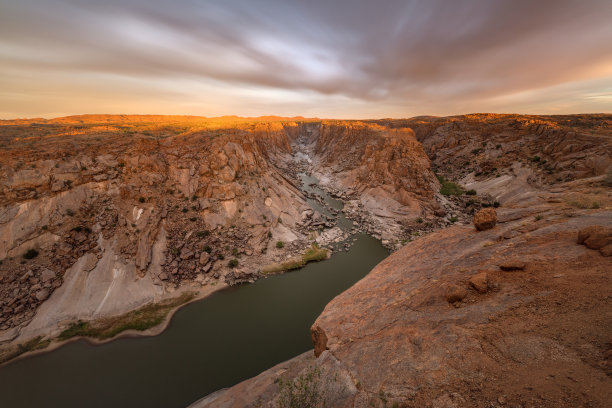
{"x": 301, "y": 392}
{"x": 471, "y": 192}
{"x": 419, "y": 220}
{"x": 453, "y": 219}
{"x": 30, "y": 254}
{"x": 538, "y": 217}
{"x": 233, "y": 263}
{"x": 140, "y": 319}
{"x": 448, "y": 188}
{"x": 36, "y": 343}
{"x": 314, "y": 253}
{"x": 280, "y": 244}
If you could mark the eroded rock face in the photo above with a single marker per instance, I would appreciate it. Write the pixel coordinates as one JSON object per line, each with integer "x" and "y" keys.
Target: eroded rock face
{"x": 169, "y": 196}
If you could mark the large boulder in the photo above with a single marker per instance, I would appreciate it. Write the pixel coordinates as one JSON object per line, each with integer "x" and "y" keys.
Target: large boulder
{"x": 485, "y": 219}
{"x": 597, "y": 237}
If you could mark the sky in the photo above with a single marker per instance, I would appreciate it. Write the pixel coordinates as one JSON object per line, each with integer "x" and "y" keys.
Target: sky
{"x": 329, "y": 59}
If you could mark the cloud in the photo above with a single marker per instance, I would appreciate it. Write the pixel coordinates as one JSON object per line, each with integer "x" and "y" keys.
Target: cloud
{"x": 400, "y": 57}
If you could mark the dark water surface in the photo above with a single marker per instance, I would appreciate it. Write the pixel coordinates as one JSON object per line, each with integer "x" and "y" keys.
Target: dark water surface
{"x": 232, "y": 335}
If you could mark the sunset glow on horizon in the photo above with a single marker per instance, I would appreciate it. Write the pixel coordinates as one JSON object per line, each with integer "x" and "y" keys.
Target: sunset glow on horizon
{"x": 340, "y": 59}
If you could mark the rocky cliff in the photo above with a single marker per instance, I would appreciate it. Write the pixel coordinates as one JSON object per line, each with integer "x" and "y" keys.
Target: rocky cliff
{"x": 513, "y": 313}
{"x": 126, "y": 210}
{"x": 102, "y": 214}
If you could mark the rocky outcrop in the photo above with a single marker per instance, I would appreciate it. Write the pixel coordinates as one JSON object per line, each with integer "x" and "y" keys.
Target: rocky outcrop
{"x": 170, "y": 200}
{"x": 402, "y": 341}
{"x": 383, "y": 175}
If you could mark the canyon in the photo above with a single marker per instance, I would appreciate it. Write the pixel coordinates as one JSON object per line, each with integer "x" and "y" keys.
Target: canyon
{"x": 108, "y": 218}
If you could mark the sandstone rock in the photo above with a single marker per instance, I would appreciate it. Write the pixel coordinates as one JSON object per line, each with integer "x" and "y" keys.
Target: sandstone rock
{"x": 597, "y": 237}
{"x": 47, "y": 275}
{"x": 42, "y": 294}
{"x": 186, "y": 253}
{"x": 319, "y": 339}
{"x": 480, "y": 282}
{"x": 512, "y": 265}
{"x": 485, "y": 219}
{"x": 455, "y": 293}
{"x": 204, "y": 258}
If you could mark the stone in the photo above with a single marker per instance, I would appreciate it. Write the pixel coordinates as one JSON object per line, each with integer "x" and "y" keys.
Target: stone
{"x": 47, "y": 275}
{"x": 186, "y": 253}
{"x": 455, "y": 293}
{"x": 485, "y": 219}
{"x": 597, "y": 237}
{"x": 204, "y": 258}
{"x": 163, "y": 276}
{"x": 512, "y": 265}
{"x": 42, "y": 294}
{"x": 480, "y": 282}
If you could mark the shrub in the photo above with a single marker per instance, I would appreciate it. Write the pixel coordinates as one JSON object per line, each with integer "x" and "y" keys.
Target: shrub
{"x": 221, "y": 256}
{"x": 70, "y": 212}
{"x": 280, "y": 244}
{"x": 208, "y": 249}
{"x": 201, "y": 234}
{"x": 471, "y": 192}
{"x": 192, "y": 219}
{"x": 419, "y": 220}
{"x": 269, "y": 234}
{"x": 184, "y": 210}
{"x": 448, "y": 188}
{"x": 304, "y": 391}
{"x": 453, "y": 219}
{"x": 233, "y": 263}
{"x": 30, "y": 254}
{"x": 496, "y": 204}
{"x": 141, "y": 199}
{"x": 535, "y": 159}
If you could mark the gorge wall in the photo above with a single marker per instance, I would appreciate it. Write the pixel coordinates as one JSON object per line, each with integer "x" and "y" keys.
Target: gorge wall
{"x": 103, "y": 214}
{"x": 516, "y": 315}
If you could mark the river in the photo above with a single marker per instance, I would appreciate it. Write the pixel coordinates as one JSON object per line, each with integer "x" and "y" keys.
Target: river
{"x": 230, "y": 336}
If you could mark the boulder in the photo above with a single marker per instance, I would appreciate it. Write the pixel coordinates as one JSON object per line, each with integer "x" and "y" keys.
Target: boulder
{"x": 47, "y": 275}
{"x": 597, "y": 237}
{"x": 186, "y": 253}
{"x": 480, "y": 282}
{"x": 485, "y": 219}
{"x": 42, "y": 294}
{"x": 455, "y": 293}
{"x": 204, "y": 258}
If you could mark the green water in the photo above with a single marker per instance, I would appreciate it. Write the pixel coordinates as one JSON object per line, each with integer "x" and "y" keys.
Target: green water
{"x": 230, "y": 336}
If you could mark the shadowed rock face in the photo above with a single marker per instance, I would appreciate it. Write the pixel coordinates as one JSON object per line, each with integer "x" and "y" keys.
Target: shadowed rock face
{"x": 156, "y": 200}
{"x": 124, "y": 210}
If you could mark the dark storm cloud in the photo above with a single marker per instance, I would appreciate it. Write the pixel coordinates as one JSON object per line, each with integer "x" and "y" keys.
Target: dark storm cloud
{"x": 436, "y": 53}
